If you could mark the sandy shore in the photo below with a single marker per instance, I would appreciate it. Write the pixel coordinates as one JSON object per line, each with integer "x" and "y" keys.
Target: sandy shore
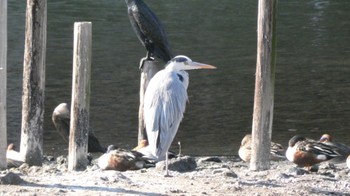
{"x": 191, "y": 176}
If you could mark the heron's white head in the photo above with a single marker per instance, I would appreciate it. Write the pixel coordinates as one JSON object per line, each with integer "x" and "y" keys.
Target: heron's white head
{"x": 182, "y": 62}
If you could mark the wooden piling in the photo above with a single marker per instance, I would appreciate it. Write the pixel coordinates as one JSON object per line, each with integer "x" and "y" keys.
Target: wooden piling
{"x": 79, "y": 124}
{"x": 264, "y": 85}
{"x": 3, "y": 82}
{"x": 34, "y": 82}
{"x": 149, "y": 68}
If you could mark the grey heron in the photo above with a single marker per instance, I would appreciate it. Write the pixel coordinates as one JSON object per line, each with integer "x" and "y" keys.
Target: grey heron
{"x": 149, "y": 31}
{"x": 164, "y": 105}
{"x": 61, "y": 120}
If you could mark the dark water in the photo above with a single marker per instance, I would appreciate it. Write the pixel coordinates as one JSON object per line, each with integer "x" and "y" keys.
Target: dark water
{"x": 312, "y": 92}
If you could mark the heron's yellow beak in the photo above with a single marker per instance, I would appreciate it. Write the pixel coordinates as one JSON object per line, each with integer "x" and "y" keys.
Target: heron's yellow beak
{"x": 197, "y": 65}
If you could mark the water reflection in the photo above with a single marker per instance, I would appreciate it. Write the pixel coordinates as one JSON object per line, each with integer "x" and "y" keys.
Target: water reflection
{"x": 312, "y": 83}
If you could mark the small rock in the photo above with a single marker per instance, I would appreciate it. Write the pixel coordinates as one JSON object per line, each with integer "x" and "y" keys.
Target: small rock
{"x": 60, "y": 191}
{"x": 210, "y": 159}
{"x": 297, "y": 171}
{"x": 177, "y": 191}
{"x": 49, "y": 158}
{"x": 314, "y": 168}
{"x": 61, "y": 160}
{"x": 225, "y": 166}
{"x": 282, "y": 176}
{"x": 219, "y": 171}
{"x": 226, "y": 172}
{"x": 327, "y": 166}
{"x": 329, "y": 174}
{"x": 181, "y": 164}
{"x": 11, "y": 178}
{"x": 230, "y": 174}
{"x": 34, "y": 169}
{"x": 143, "y": 170}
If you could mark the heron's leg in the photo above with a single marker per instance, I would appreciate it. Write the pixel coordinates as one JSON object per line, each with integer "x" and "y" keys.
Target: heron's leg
{"x": 179, "y": 143}
{"x": 166, "y": 165}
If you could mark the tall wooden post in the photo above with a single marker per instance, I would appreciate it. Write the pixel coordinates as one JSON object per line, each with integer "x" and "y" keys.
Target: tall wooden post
{"x": 264, "y": 85}
{"x": 3, "y": 82}
{"x": 149, "y": 68}
{"x": 34, "y": 82}
{"x": 79, "y": 124}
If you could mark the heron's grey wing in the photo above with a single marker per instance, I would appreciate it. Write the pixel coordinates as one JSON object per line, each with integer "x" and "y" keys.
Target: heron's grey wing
{"x": 165, "y": 102}
{"x": 175, "y": 105}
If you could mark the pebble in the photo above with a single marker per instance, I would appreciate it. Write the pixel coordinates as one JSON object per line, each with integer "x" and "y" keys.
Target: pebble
{"x": 49, "y": 158}
{"x": 181, "y": 164}
{"x": 230, "y": 174}
{"x": 225, "y": 172}
{"x": 11, "y": 178}
{"x": 217, "y": 171}
{"x": 297, "y": 171}
{"x": 61, "y": 160}
{"x": 210, "y": 159}
{"x": 282, "y": 176}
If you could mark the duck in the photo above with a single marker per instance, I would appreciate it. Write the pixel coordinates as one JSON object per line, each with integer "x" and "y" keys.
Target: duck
{"x": 343, "y": 149}
{"x": 305, "y": 152}
{"x": 13, "y": 158}
{"x": 122, "y": 160}
{"x": 276, "y": 150}
{"x": 61, "y": 121}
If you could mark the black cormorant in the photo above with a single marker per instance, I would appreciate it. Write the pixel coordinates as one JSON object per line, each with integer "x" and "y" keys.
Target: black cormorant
{"x": 149, "y": 30}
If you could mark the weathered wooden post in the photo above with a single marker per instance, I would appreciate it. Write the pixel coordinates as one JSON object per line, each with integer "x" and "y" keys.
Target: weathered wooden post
{"x": 34, "y": 82}
{"x": 148, "y": 70}
{"x": 3, "y": 82}
{"x": 79, "y": 124}
{"x": 264, "y": 85}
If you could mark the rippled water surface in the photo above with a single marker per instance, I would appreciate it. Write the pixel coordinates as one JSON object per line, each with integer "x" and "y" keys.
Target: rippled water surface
{"x": 312, "y": 72}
